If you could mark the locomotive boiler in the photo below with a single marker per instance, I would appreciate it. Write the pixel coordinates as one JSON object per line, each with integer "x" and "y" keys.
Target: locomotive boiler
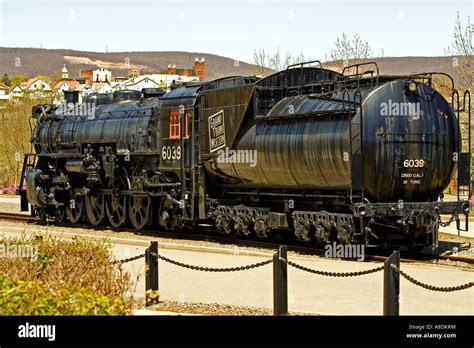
{"x": 306, "y": 152}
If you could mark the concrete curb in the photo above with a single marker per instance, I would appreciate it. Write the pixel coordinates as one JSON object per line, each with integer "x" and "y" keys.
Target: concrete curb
{"x": 149, "y": 312}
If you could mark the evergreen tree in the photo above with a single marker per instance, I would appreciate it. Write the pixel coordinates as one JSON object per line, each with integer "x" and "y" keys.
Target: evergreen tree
{"x": 6, "y": 80}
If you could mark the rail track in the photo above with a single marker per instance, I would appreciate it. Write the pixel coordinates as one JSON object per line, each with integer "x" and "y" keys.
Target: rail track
{"x": 18, "y": 217}
{"x": 209, "y": 236}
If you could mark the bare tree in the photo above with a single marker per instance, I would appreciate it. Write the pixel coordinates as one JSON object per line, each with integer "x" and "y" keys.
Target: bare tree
{"x": 350, "y": 51}
{"x": 15, "y": 136}
{"x": 259, "y": 59}
{"x": 268, "y": 63}
{"x": 461, "y": 50}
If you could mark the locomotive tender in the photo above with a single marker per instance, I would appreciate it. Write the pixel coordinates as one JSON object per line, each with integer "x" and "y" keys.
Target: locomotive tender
{"x": 310, "y": 152}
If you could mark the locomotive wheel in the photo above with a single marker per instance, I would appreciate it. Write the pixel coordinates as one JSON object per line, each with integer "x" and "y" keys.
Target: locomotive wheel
{"x": 60, "y": 214}
{"x": 95, "y": 208}
{"x": 116, "y": 208}
{"x": 74, "y": 211}
{"x": 139, "y": 211}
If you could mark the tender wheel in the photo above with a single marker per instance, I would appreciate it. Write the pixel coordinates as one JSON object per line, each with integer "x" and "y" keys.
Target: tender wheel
{"x": 95, "y": 208}
{"x": 116, "y": 207}
{"x": 74, "y": 209}
{"x": 139, "y": 211}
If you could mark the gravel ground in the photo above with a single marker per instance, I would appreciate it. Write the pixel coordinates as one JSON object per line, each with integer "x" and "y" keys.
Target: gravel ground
{"x": 213, "y": 309}
{"x": 465, "y": 245}
{"x": 453, "y": 264}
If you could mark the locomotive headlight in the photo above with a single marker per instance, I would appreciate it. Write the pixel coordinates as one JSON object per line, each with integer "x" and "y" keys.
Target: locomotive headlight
{"x": 411, "y": 86}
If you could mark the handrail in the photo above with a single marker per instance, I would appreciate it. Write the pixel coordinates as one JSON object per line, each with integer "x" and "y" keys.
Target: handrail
{"x": 357, "y": 96}
{"x": 301, "y": 72}
{"x": 361, "y": 64}
{"x": 303, "y": 63}
{"x": 455, "y": 97}
{"x": 429, "y": 75}
{"x": 359, "y": 75}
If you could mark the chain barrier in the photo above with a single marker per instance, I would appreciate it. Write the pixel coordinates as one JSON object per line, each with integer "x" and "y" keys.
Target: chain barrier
{"x": 211, "y": 269}
{"x": 302, "y": 268}
{"x": 432, "y": 287}
{"x": 335, "y": 274}
{"x": 130, "y": 259}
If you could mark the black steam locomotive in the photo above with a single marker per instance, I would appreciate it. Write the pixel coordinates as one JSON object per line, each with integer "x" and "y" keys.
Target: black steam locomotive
{"x": 351, "y": 157}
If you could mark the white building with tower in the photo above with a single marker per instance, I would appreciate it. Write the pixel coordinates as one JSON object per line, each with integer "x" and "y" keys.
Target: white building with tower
{"x": 64, "y": 73}
{"x": 101, "y": 75}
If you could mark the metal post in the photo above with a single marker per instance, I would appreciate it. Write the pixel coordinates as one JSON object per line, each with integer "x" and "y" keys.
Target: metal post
{"x": 23, "y": 200}
{"x": 151, "y": 273}
{"x": 391, "y": 285}
{"x": 280, "y": 281}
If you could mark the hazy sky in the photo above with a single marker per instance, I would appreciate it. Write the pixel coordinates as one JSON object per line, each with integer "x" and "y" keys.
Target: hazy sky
{"x": 230, "y": 28}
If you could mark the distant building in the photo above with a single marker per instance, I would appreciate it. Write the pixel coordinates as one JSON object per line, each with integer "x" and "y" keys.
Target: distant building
{"x": 199, "y": 69}
{"x": 120, "y": 79}
{"x": 171, "y": 69}
{"x": 83, "y": 90}
{"x": 140, "y": 82}
{"x": 133, "y": 73}
{"x": 64, "y": 73}
{"x": 4, "y": 95}
{"x": 85, "y": 77}
{"x": 102, "y": 87}
{"x": 36, "y": 87}
{"x": 15, "y": 91}
{"x": 36, "y": 84}
{"x": 116, "y": 84}
{"x": 102, "y": 75}
{"x": 78, "y": 93}
{"x": 100, "y": 80}
{"x": 64, "y": 86}
{"x": 163, "y": 81}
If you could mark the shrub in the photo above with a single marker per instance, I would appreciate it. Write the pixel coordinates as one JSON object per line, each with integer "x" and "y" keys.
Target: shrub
{"x": 8, "y": 190}
{"x": 78, "y": 268}
{"x": 33, "y": 298}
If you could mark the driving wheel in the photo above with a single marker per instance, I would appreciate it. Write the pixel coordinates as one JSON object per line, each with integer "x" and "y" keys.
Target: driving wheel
{"x": 74, "y": 209}
{"x": 95, "y": 208}
{"x": 139, "y": 211}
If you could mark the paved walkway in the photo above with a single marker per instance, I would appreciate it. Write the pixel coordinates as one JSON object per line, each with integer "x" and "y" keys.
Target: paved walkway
{"x": 10, "y": 199}
{"x": 307, "y": 292}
